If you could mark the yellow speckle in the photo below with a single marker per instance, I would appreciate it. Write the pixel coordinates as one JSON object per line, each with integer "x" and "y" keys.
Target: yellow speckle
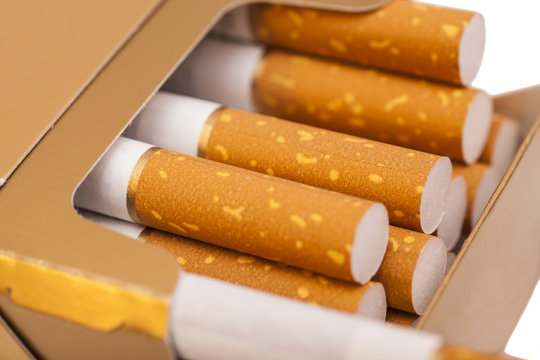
{"x": 356, "y": 204}
{"x": 215, "y": 198}
{"x": 336, "y": 256}
{"x": 262, "y": 234}
{"x": 273, "y": 204}
{"x": 434, "y": 57}
{"x": 273, "y": 134}
{"x": 302, "y": 292}
{"x": 450, "y": 134}
{"x": 457, "y": 93}
{"x": 327, "y": 156}
{"x": 411, "y": 154}
{"x": 357, "y": 109}
{"x": 394, "y": 242}
{"x": 400, "y": 121}
{"x": 298, "y": 220}
{"x": 422, "y": 116}
{"x": 293, "y": 35}
{"x": 209, "y": 259}
{"x": 222, "y": 173}
{"x": 375, "y": 178}
{"x": 270, "y": 172}
{"x": 225, "y": 117}
{"x": 267, "y": 267}
{"x": 419, "y": 189}
{"x": 304, "y": 160}
{"x": 156, "y": 214}
{"x": 450, "y": 30}
{"x": 395, "y": 51}
{"x": 322, "y": 280}
{"x": 420, "y": 7}
{"x": 380, "y": 164}
{"x": 280, "y": 139}
{"x": 181, "y": 260}
{"x": 354, "y": 140}
{"x": 316, "y": 217}
{"x": 282, "y": 81}
{"x": 348, "y": 248}
{"x": 253, "y": 162}
{"x": 244, "y": 259}
{"x": 379, "y": 44}
{"x": 305, "y": 135}
{"x": 409, "y": 239}
{"x": 358, "y": 122}
{"x": 444, "y": 98}
{"x": 400, "y": 100}
{"x": 337, "y": 45}
{"x": 399, "y": 213}
{"x": 349, "y": 98}
{"x": 271, "y": 189}
{"x": 221, "y": 149}
{"x": 163, "y": 174}
{"x": 157, "y": 152}
{"x": 234, "y": 212}
{"x": 418, "y": 131}
{"x": 407, "y": 249}
{"x": 370, "y": 146}
{"x": 415, "y": 21}
{"x": 334, "y": 105}
{"x": 381, "y": 14}
{"x": 260, "y": 123}
{"x": 417, "y": 216}
{"x": 334, "y": 175}
{"x": 177, "y": 227}
{"x": 299, "y": 244}
{"x": 180, "y": 158}
{"x": 297, "y": 19}
{"x": 191, "y": 226}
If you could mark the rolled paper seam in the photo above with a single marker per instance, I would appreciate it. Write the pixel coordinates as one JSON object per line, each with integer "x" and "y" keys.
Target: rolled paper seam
{"x": 212, "y": 319}
{"x": 451, "y": 257}
{"x": 303, "y": 226}
{"x": 413, "y": 267}
{"x": 502, "y": 142}
{"x": 213, "y": 261}
{"x": 409, "y": 112}
{"x": 482, "y": 180}
{"x": 424, "y": 40}
{"x": 451, "y": 226}
{"x": 401, "y": 318}
{"x": 411, "y": 184}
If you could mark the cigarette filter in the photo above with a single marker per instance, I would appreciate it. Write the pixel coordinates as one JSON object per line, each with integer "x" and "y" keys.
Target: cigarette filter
{"x": 310, "y": 228}
{"x": 427, "y": 116}
{"x": 413, "y": 267}
{"x": 502, "y": 142}
{"x": 451, "y": 226}
{"x": 411, "y": 184}
{"x": 401, "y": 318}
{"x": 213, "y": 261}
{"x": 482, "y": 180}
{"x": 424, "y": 40}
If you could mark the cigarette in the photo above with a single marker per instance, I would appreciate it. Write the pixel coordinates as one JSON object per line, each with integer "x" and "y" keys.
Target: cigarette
{"x": 401, "y": 318}
{"x": 411, "y": 184}
{"x": 482, "y": 180}
{"x": 413, "y": 267}
{"x": 310, "y": 228}
{"x": 409, "y": 112}
{"x": 455, "y": 209}
{"x": 502, "y": 143}
{"x": 451, "y": 257}
{"x": 433, "y": 42}
{"x": 237, "y": 268}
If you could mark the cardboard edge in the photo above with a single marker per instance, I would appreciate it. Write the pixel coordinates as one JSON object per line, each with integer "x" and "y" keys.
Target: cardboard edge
{"x": 12, "y": 344}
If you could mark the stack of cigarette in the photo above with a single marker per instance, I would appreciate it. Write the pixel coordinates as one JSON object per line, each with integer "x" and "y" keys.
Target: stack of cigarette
{"x": 316, "y": 169}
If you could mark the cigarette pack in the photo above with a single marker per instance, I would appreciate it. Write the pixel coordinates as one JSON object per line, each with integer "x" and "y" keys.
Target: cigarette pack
{"x": 70, "y": 288}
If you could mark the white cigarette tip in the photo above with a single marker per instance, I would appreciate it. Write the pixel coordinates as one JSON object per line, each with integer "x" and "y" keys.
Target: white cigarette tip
{"x": 373, "y": 304}
{"x": 485, "y": 190}
{"x": 434, "y": 195}
{"x": 476, "y": 127}
{"x": 455, "y": 211}
{"x": 471, "y": 49}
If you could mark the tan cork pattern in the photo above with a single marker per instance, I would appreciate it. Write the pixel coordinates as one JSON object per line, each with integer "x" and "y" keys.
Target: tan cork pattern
{"x": 254, "y": 272}
{"x": 496, "y": 124}
{"x": 404, "y": 36}
{"x": 398, "y": 110}
{"x": 368, "y": 169}
{"x": 473, "y": 175}
{"x": 401, "y": 318}
{"x": 242, "y": 210}
{"x": 397, "y": 269}
{"x": 463, "y": 353}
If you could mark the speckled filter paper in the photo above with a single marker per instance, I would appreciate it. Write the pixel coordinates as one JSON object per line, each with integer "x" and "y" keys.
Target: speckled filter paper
{"x": 401, "y": 318}
{"x": 397, "y": 269}
{"x": 404, "y": 36}
{"x": 254, "y": 272}
{"x": 409, "y": 112}
{"x": 473, "y": 175}
{"x": 306, "y": 227}
{"x": 368, "y": 169}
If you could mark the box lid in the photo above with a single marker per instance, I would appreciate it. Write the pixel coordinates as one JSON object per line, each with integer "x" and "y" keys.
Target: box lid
{"x": 49, "y": 52}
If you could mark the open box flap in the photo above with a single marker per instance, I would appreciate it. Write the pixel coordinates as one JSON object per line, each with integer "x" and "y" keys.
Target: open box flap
{"x": 49, "y": 52}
